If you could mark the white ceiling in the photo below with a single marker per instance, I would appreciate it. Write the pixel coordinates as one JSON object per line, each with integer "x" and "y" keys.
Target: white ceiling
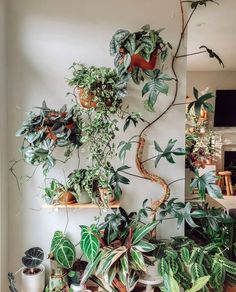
{"x": 215, "y": 27}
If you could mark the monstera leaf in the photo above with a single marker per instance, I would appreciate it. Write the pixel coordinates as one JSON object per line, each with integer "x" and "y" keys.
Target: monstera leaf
{"x": 33, "y": 257}
{"x": 63, "y": 250}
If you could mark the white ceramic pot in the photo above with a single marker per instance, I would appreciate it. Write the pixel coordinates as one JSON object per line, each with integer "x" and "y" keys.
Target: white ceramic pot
{"x": 77, "y": 288}
{"x": 33, "y": 283}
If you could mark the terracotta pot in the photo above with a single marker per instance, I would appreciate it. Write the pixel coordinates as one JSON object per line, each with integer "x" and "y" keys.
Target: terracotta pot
{"x": 229, "y": 287}
{"x": 87, "y": 101}
{"x": 106, "y": 196}
{"x": 138, "y": 61}
{"x": 67, "y": 198}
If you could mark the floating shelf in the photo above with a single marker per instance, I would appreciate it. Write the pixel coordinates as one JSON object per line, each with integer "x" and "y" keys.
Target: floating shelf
{"x": 114, "y": 205}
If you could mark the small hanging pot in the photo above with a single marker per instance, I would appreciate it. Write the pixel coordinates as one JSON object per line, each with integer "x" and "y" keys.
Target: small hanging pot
{"x": 86, "y": 100}
{"x": 138, "y": 61}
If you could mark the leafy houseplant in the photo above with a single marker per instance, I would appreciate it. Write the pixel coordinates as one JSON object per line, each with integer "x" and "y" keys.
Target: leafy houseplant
{"x": 47, "y": 130}
{"x": 135, "y": 56}
{"x": 57, "y": 193}
{"x": 194, "y": 267}
{"x": 33, "y": 273}
{"x": 62, "y": 255}
{"x": 98, "y": 87}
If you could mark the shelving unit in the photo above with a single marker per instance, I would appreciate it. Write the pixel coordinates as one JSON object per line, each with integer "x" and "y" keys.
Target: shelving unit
{"x": 114, "y": 205}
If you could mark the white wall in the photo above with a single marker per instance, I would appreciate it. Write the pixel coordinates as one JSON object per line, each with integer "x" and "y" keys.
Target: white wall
{"x": 45, "y": 37}
{"x": 3, "y": 153}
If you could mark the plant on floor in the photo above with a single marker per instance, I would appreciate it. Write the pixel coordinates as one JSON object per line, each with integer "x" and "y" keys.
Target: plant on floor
{"x": 32, "y": 261}
{"x": 118, "y": 249}
{"x": 192, "y": 266}
{"x": 47, "y": 130}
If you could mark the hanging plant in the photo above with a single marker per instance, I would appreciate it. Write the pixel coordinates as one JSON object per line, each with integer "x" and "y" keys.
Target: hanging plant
{"x": 47, "y": 130}
{"x": 135, "y": 55}
{"x": 97, "y": 87}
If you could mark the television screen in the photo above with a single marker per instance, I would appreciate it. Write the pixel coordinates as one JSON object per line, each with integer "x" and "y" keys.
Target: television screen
{"x": 225, "y": 108}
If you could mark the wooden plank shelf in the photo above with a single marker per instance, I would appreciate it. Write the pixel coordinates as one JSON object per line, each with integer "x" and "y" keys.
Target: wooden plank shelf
{"x": 114, "y": 205}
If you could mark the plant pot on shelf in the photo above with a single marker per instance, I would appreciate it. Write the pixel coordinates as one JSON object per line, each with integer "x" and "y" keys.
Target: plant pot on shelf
{"x": 83, "y": 198}
{"x": 67, "y": 198}
{"x": 86, "y": 100}
{"x": 106, "y": 196}
{"x": 33, "y": 280}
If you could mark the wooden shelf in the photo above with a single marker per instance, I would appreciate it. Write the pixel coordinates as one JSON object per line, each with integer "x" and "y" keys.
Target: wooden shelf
{"x": 114, "y": 205}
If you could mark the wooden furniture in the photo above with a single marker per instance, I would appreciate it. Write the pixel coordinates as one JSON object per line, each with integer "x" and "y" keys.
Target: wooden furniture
{"x": 227, "y": 203}
{"x": 225, "y": 178}
{"x": 113, "y": 205}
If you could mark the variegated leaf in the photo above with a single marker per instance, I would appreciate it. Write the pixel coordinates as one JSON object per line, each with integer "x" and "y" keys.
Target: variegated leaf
{"x": 143, "y": 231}
{"x": 144, "y": 246}
{"x": 137, "y": 259}
{"x": 89, "y": 243}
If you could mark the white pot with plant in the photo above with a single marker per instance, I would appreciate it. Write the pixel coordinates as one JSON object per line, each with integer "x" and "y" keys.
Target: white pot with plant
{"x": 32, "y": 274}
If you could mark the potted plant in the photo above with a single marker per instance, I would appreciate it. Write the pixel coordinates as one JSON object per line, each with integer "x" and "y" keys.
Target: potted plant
{"x": 62, "y": 256}
{"x": 57, "y": 193}
{"x": 138, "y": 49}
{"x": 135, "y": 55}
{"x": 33, "y": 272}
{"x": 77, "y": 183}
{"x": 97, "y": 87}
{"x": 46, "y": 130}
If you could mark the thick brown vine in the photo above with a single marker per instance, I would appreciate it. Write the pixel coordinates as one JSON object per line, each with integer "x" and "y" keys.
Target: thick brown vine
{"x": 139, "y": 152}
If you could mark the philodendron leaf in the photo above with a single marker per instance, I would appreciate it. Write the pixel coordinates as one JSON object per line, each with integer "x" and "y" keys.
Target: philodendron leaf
{"x": 200, "y": 102}
{"x": 89, "y": 243}
{"x": 65, "y": 253}
{"x": 33, "y": 257}
{"x": 206, "y": 183}
{"x": 212, "y": 54}
{"x": 199, "y": 284}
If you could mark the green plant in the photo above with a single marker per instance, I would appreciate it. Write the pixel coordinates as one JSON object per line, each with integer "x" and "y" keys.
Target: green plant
{"x": 105, "y": 84}
{"x": 184, "y": 262}
{"x": 51, "y": 193}
{"x": 124, "y": 46}
{"x": 118, "y": 248}
{"x": 47, "y": 130}
{"x": 62, "y": 250}
{"x": 32, "y": 258}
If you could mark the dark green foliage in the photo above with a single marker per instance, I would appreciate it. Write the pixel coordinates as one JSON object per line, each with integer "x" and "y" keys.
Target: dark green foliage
{"x": 212, "y": 54}
{"x": 33, "y": 257}
{"x": 11, "y": 280}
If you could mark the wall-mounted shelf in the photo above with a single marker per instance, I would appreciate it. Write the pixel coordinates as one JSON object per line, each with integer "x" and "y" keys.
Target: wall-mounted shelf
{"x": 114, "y": 205}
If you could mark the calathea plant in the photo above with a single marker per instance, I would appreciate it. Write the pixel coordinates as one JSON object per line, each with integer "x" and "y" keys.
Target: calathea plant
{"x": 46, "y": 130}
{"x": 193, "y": 267}
{"x": 118, "y": 249}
